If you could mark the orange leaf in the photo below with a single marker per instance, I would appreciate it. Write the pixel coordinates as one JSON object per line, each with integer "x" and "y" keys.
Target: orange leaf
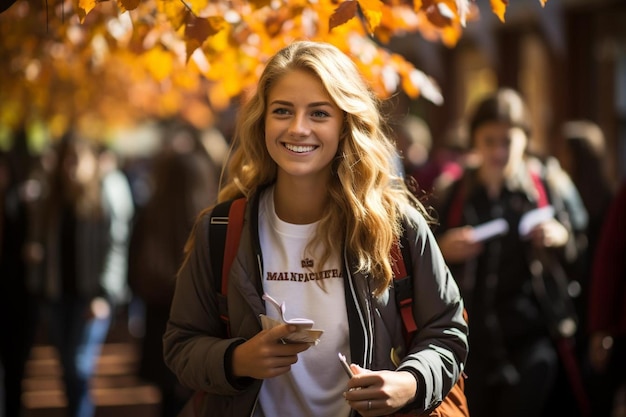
{"x": 128, "y": 4}
{"x": 499, "y": 8}
{"x": 372, "y": 9}
{"x": 346, "y": 11}
{"x": 438, "y": 15}
{"x": 198, "y": 29}
{"x": 84, "y": 7}
{"x": 260, "y": 3}
{"x": 417, "y": 5}
{"x": 543, "y": 2}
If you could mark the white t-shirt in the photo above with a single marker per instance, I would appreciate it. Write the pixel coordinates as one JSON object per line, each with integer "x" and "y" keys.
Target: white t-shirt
{"x": 314, "y": 385}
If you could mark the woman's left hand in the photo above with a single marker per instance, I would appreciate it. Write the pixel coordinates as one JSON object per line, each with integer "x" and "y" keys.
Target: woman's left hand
{"x": 379, "y": 393}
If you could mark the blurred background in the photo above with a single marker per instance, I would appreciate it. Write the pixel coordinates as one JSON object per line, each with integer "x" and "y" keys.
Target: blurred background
{"x": 135, "y": 102}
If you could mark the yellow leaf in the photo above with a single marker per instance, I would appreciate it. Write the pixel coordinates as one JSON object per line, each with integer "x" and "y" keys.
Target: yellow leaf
{"x": 197, "y": 6}
{"x": 372, "y": 9}
{"x": 174, "y": 10}
{"x": 159, "y": 63}
{"x": 417, "y": 5}
{"x": 84, "y": 7}
{"x": 217, "y": 42}
{"x": 543, "y": 2}
{"x": 499, "y": 8}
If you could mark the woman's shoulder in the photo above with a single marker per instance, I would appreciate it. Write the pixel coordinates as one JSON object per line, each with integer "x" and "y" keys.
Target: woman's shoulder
{"x": 415, "y": 218}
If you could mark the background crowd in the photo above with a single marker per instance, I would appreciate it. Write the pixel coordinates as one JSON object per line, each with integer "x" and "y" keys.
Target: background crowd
{"x": 89, "y": 237}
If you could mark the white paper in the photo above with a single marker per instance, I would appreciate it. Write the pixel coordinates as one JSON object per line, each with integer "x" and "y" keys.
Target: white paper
{"x": 305, "y": 332}
{"x": 489, "y": 229}
{"x": 533, "y": 218}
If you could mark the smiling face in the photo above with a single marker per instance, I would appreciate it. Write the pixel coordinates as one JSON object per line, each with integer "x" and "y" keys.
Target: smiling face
{"x": 302, "y": 127}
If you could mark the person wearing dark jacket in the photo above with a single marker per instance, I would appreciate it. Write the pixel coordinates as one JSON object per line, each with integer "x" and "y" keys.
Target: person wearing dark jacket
{"x": 514, "y": 360}
{"x": 326, "y": 205}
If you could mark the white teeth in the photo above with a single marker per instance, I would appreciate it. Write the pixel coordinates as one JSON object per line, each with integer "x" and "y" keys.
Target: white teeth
{"x": 299, "y": 148}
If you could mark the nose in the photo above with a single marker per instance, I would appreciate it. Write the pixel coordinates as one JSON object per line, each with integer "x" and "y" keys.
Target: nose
{"x": 299, "y": 126}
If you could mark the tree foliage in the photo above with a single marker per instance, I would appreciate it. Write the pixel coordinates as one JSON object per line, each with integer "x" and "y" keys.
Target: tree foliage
{"x": 98, "y": 63}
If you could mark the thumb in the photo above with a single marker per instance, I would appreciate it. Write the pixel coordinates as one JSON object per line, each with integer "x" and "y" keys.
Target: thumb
{"x": 281, "y": 331}
{"x": 356, "y": 369}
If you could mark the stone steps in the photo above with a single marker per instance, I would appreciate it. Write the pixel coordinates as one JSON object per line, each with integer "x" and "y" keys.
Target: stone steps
{"x": 116, "y": 389}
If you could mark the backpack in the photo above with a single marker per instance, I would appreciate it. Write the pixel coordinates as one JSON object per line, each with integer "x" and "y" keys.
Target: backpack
{"x": 226, "y": 224}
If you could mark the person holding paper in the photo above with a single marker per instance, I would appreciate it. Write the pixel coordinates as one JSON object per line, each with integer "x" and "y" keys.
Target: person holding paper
{"x": 512, "y": 347}
{"x": 325, "y": 206}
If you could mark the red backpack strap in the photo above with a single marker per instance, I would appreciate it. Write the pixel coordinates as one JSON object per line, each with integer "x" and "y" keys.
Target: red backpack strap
{"x": 542, "y": 195}
{"x": 233, "y": 235}
{"x": 225, "y": 227}
{"x": 403, "y": 285}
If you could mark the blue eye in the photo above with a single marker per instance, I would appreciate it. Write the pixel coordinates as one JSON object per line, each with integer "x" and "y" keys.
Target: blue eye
{"x": 281, "y": 111}
{"x": 320, "y": 114}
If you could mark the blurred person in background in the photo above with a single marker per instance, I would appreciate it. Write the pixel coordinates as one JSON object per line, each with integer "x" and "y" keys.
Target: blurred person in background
{"x": 83, "y": 238}
{"x": 414, "y": 142}
{"x": 607, "y": 313}
{"x": 183, "y": 180}
{"x": 423, "y": 165}
{"x": 583, "y": 157}
{"x": 18, "y": 309}
{"x": 514, "y": 363}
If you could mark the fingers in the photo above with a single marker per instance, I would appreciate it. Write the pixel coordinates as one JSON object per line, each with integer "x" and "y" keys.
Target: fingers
{"x": 458, "y": 244}
{"x": 265, "y": 355}
{"x": 376, "y": 393}
{"x": 280, "y": 334}
{"x": 549, "y": 234}
{"x": 366, "y": 403}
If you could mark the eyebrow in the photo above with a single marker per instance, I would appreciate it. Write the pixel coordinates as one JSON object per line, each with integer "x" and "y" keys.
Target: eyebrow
{"x": 288, "y": 103}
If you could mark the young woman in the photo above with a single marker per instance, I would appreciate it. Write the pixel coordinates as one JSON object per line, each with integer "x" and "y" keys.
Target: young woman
{"x": 325, "y": 203}
{"x": 514, "y": 356}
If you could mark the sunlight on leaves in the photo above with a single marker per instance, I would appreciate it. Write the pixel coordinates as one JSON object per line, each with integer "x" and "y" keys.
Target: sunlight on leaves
{"x": 124, "y": 60}
{"x": 126, "y": 5}
{"x": 372, "y": 9}
{"x": 346, "y": 11}
{"x": 84, "y": 7}
{"x": 499, "y": 8}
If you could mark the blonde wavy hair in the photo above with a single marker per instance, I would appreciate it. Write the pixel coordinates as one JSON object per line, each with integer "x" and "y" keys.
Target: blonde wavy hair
{"x": 365, "y": 190}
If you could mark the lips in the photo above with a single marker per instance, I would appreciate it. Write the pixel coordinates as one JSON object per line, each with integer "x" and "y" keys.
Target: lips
{"x": 300, "y": 148}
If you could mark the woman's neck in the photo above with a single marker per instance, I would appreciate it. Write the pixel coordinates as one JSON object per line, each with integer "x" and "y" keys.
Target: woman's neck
{"x": 300, "y": 203}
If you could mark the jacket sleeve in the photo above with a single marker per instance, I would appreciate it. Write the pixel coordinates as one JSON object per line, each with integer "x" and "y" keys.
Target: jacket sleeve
{"x": 440, "y": 347}
{"x": 194, "y": 343}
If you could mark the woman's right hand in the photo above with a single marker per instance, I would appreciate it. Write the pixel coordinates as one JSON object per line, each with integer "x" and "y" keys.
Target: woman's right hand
{"x": 265, "y": 355}
{"x": 458, "y": 245}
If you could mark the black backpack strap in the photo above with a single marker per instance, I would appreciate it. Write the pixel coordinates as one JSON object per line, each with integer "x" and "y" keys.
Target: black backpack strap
{"x": 225, "y": 227}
